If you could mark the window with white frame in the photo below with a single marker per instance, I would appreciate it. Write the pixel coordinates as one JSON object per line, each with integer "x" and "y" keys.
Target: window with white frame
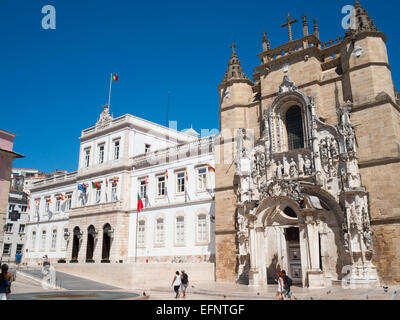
{"x": 11, "y": 207}
{"x": 201, "y": 228}
{"x": 160, "y": 231}
{"x": 98, "y": 194}
{"x": 161, "y": 186}
{"x": 201, "y": 179}
{"x": 68, "y": 202}
{"x": 84, "y": 198}
{"x": 33, "y": 241}
{"x": 21, "y": 228}
{"x": 142, "y": 188}
{"x": 87, "y": 157}
{"x": 58, "y": 205}
{"x": 180, "y": 182}
{"x": 37, "y": 210}
{"x": 23, "y": 208}
{"x": 116, "y": 149}
{"x": 101, "y": 153}
{"x": 114, "y": 196}
{"x": 7, "y": 249}
{"x": 43, "y": 242}
{"x": 19, "y": 248}
{"x": 47, "y": 207}
{"x": 9, "y": 227}
{"x": 141, "y": 232}
{"x": 54, "y": 239}
{"x": 147, "y": 148}
{"x": 180, "y": 230}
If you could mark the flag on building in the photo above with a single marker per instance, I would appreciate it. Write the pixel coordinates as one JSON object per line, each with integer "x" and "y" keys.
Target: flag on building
{"x": 211, "y": 168}
{"x": 82, "y": 187}
{"x": 96, "y": 185}
{"x": 146, "y": 180}
{"x": 186, "y": 175}
{"x": 139, "y": 203}
{"x": 115, "y": 181}
{"x": 115, "y": 77}
{"x": 166, "y": 174}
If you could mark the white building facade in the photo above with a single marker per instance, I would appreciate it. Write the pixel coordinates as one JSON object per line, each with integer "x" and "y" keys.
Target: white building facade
{"x": 176, "y": 186}
{"x": 15, "y": 227}
{"x": 89, "y": 216}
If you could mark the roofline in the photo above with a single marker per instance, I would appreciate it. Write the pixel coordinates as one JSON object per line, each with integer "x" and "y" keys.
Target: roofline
{"x": 7, "y": 132}
{"x": 14, "y": 154}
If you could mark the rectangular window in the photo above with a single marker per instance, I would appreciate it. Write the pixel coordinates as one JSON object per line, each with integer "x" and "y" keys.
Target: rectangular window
{"x": 21, "y": 228}
{"x": 141, "y": 232}
{"x": 202, "y": 228}
{"x": 11, "y": 207}
{"x": 114, "y": 196}
{"x": 98, "y": 195}
{"x": 180, "y": 182}
{"x": 23, "y": 208}
{"x": 9, "y": 227}
{"x": 68, "y": 202}
{"x": 58, "y": 205}
{"x": 33, "y": 241}
{"x": 43, "y": 243}
{"x": 116, "y": 150}
{"x": 180, "y": 230}
{"x": 101, "y": 154}
{"x": 87, "y": 158}
{"x": 143, "y": 188}
{"x": 147, "y": 148}
{"x": 161, "y": 186}
{"x": 19, "y": 248}
{"x": 37, "y": 210}
{"x": 160, "y": 231}
{"x": 202, "y": 179}
{"x": 7, "y": 248}
{"x": 47, "y": 207}
{"x": 54, "y": 239}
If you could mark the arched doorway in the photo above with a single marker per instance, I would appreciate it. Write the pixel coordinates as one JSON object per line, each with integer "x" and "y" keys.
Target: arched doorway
{"x": 107, "y": 231}
{"x": 90, "y": 243}
{"x": 304, "y": 240}
{"x": 76, "y": 244}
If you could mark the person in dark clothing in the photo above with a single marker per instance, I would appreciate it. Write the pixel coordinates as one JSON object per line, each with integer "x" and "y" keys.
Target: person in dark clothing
{"x": 184, "y": 282}
{"x": 287, "y": 284}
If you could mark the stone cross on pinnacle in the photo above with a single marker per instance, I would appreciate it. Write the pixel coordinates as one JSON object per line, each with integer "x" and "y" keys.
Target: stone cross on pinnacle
{"x": 289, "y": 25}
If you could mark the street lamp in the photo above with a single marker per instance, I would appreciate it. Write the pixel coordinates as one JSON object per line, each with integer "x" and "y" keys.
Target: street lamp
{"x": 66, "y": 235}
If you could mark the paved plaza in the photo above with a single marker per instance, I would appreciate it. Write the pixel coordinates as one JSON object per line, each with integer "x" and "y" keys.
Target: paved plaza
{"x": 28, "y": 287}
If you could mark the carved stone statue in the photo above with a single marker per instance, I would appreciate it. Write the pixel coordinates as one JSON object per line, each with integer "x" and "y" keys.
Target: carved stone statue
{"x": 293, "y": 172}
{"x": 307, "y": 166}
{"x": 279, "y": 170}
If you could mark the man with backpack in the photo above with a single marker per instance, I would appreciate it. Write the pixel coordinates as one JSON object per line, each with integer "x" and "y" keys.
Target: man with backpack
{"x": 184, "y": 282}
{"x": 287, "y": 284}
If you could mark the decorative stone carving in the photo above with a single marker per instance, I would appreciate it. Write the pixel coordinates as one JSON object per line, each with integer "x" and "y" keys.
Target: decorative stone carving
{"x": 293, "y": 171}
{"x": 307, "y": 166}
{"x": 287, "y": 85}
{"x": 105, "y": 118}
{"x": 288, "y": 189}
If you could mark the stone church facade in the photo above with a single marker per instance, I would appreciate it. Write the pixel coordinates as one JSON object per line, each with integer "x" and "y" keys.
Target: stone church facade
{"x": 308, "y": 160}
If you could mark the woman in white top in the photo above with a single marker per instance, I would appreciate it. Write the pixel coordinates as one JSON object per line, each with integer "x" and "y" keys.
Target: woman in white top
{"x": 279, "y": 293}
{"x": 176, "y": 283}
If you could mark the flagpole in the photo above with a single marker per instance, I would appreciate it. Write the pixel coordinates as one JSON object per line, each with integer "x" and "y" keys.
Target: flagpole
{"x": 109, "y": 93}
{"x": 137, "y": 218}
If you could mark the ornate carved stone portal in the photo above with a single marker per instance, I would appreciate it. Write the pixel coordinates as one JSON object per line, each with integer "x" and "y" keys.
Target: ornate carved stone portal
{"x": 302, "y": 210}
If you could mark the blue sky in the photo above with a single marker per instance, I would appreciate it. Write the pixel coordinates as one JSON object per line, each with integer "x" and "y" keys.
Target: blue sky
{"x": 54, "y": 82}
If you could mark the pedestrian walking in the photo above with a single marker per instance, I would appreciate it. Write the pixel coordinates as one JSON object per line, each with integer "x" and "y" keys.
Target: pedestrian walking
{"x": 287, "y": 284}
{"x": 185, "y": 282}
{"x": 176, "y": 283}
{"x": 18, "y": 258}
{"x": 7, "y": 280}
{"x": 280, "y": 281}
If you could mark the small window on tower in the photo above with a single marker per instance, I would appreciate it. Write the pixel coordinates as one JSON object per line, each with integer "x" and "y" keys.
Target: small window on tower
{"x": 147, "y": 148}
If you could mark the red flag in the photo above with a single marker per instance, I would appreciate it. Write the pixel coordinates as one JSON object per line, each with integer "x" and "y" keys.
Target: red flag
{"x": 115, "y": 77}
{"x": 139, "y": 203}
